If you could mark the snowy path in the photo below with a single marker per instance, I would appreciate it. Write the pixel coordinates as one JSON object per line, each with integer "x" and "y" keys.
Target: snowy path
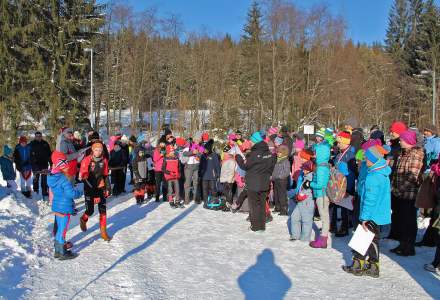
{"x": 193, "y": 253}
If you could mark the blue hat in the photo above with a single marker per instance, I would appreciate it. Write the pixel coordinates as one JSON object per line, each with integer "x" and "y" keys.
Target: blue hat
{"x": 373, "y": 154}
{"x": 278, "y": 140}
{"x": 141, "y": 138}
{"x": 7, "y": 151}
{"x": 256, "y": 137}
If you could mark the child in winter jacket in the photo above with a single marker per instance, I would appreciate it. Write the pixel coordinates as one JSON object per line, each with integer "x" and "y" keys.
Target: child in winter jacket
{"x": 209, "y": 171}
{"x": 143, "y": 173}
{"x": 171, "y": 172}
{"x": 298, "y": 146}
{"x": 117, "y": 164}
{"x": 62, "y": 197}
{"x": 375, "y": 210}
{"x": 22, "y": 159}
{"x": 227, "y": 173}
{"x": 7, "y": 168}
{"x": 280, "y": 178}
{"x": 94, "y": 174}
{"x": 158, "y": 158}
{"x": 303, "y": 206}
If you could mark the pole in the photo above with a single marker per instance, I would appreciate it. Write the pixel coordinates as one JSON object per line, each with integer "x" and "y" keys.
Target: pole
{"x": 433, "y": 98}
{"x": 91, "y": 88}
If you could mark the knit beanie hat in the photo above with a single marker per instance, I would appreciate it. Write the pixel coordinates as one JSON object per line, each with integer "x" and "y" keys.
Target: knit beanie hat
{"x": 299, "y": 144}
{"x": 409, "y": 137}
{"x": 344, "y": 137}
{"x": 320, "y": 132}
{"x": 181, "y": 142}
{"x": 124, "y": 139}
{"x": 306, "y": 154}
{"x": 205, "y": 136}
{"x": 7, "y": 151}
{"x": 59, "y": 162}
{"x": 256, "y": 137}
{"x": 272, "y": 131}
{"x": 97, "y": 145}
{"x": 22, "y": 139}
{"x": 141, "y": 138}
{"x": 278, "y": 140}
{"x": 371, "y": 143}
{"x": 373, "y": 154}
{"x": 308, "y": 166}
{"x": 398, "y": 127}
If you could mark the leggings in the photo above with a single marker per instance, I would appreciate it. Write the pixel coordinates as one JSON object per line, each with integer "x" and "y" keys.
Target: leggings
{"x": 322, "y": 203}
{"x": 90, "y": 206}
{"x": 62, "y": 223}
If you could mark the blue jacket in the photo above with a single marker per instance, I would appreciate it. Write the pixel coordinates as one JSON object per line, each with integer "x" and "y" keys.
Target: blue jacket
{"x": 210, "y": 166}
{"x": 22, "y": 158}
{"x": 376, "y": 197}
{"x": 7, "y": 168}
{"x": 322, "y": 172}
{"x": 432, "y": 149}
{"x": 363, "y": 171}
{"x": 347, "y": 165}
{"x": 63, "y": 193}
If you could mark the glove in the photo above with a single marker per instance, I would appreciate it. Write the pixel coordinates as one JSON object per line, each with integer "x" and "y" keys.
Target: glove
{"x": 106, "y": 194}
{"x": 97, "y": 200}
{"x": 306, "y": 184}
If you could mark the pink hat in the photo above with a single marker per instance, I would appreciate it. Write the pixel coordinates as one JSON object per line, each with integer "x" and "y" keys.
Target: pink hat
{"x": 370, "y": 143}
{"x": 272, "y": 131}
{"x": 409, "y": 137}
{"x": 299, "y": 144}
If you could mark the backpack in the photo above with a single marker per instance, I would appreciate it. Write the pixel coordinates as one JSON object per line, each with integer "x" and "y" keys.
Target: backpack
{"x": 337, "y": 186}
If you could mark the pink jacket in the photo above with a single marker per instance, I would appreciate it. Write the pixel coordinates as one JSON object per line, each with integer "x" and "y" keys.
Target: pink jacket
{"x": 157, "y": 160}
{"x": 296, "y": 167}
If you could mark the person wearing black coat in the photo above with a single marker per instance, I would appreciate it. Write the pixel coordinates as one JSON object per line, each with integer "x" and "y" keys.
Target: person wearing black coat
{"x": 40, "y": 162}
{"x": 117, "y": 163}
{"x": 259, "y": 166}
{"x": 209, "y": 171}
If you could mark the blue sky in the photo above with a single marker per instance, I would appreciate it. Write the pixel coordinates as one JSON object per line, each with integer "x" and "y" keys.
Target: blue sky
{"x": 366, "y": 19}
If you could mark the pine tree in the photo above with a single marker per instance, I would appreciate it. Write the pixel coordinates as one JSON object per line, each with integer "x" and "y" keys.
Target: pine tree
{"x": 397, "y": 31}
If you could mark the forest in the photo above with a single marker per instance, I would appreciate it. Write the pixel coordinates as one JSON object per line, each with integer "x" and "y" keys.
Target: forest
{"x": 290, "y": 66}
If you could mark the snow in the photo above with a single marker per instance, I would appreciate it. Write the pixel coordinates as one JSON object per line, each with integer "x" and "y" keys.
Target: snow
{"x": 192, "y": 253}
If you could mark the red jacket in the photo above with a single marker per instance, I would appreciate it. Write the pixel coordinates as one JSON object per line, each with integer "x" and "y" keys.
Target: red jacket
{"x": 94, "y": 174}
{"x": 158, "y": 160}
{"x": 171, "y": 168}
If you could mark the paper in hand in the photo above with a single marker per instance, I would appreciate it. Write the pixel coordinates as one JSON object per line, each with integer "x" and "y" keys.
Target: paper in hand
{"x": 361, "y": 240}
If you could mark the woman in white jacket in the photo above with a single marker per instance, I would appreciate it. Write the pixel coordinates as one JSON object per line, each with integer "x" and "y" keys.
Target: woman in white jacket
{"x": 227, "y": 174}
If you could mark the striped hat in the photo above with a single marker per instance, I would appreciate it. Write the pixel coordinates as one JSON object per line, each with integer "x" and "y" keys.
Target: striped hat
{"x": 344, "y": 137}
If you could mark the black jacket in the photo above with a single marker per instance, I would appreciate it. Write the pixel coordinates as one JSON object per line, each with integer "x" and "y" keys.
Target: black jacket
{"x": 210, "y": 166}
{"x": 118, "y": 159}
{"x": 259, "y": 166}
{"x": 40, "y": 155}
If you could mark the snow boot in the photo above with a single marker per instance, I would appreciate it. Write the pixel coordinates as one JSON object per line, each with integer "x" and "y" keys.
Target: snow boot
{"x": 372, "y": 270}
{"x": 178, "y": 204}
{"x": 103, "y": 227}
{"x": 320, "y": 242}
{"x": 139, "y": 200}
{"x": 63, "y": 254}
{"x": 83, "y": 222}
{"x": 68, "y": 245}
{"x": 357, "y": 267}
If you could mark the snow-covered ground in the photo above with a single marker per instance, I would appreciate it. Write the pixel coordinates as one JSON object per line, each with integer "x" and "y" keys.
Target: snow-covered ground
{"x": 191, "y": 253}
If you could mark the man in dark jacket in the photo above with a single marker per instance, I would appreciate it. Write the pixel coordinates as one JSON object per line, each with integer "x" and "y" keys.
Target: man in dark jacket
{"x": 210, "y": 168}
{"x": 40, "y": 161}
{"x": 259, "y": 166}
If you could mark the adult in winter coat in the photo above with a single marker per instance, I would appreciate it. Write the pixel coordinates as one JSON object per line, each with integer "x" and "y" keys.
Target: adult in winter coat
{"x": 94, "y": 174}
{"x": 40, "y": 161}
{"x": 63, "y": 195}
{"x": 22, "y": 159}
{"x": 280, "y": 179}
{"x": 7, "y": 168}
{"x": 375, "y": 210}
{"x": 432, "y": 146}
{"x": 209, "y": 171}
{"x": 117, "y": 164}
{"x": 65, "y": 145}
{"x": 319, "y": 183}
{"x": 227, "y": 173}
{"x": 405, "y": 186}
{"x": 259, "y": 166}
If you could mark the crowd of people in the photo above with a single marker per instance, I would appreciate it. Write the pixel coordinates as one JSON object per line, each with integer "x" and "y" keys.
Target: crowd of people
{"x": 345, "y": 178}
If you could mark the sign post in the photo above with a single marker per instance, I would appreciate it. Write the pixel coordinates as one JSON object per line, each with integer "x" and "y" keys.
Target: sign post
{"x": 308, "y": 130}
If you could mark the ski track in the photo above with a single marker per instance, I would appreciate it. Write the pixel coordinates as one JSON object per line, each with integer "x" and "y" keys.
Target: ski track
{"x": 193, "y": 253}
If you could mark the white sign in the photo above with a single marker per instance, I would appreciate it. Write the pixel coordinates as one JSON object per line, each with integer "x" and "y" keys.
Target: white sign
{"x": 309, "y": 129}
{"x": 361, "y": 240}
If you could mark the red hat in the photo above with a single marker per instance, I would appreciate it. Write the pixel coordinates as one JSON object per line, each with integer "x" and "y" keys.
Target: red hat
{"x": 22, "y": 139}
{"x": 170, "y": 148}
{"x": 398, "y": 127}
{"x": 344, "y": 137}
{"x": 59, "y": 162}
{"x": 181, "y": 142}
{"x": 306, "y": 154}
{"x": 205, "y": 136}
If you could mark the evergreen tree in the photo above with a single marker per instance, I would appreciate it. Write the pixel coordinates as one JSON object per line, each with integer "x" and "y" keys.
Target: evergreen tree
{"x": 397, "y": 31}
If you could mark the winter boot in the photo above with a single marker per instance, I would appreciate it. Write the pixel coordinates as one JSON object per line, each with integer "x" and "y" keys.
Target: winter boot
{"x": 372, "y": 269}
{"x": 357, "y": 267}
{"x": 63, "y": 254}
{"x": 68, "y": 245}
{"x": 320, "y": 242}
{"x": 103, "y": 227}
{"x": 83, "y": 222}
